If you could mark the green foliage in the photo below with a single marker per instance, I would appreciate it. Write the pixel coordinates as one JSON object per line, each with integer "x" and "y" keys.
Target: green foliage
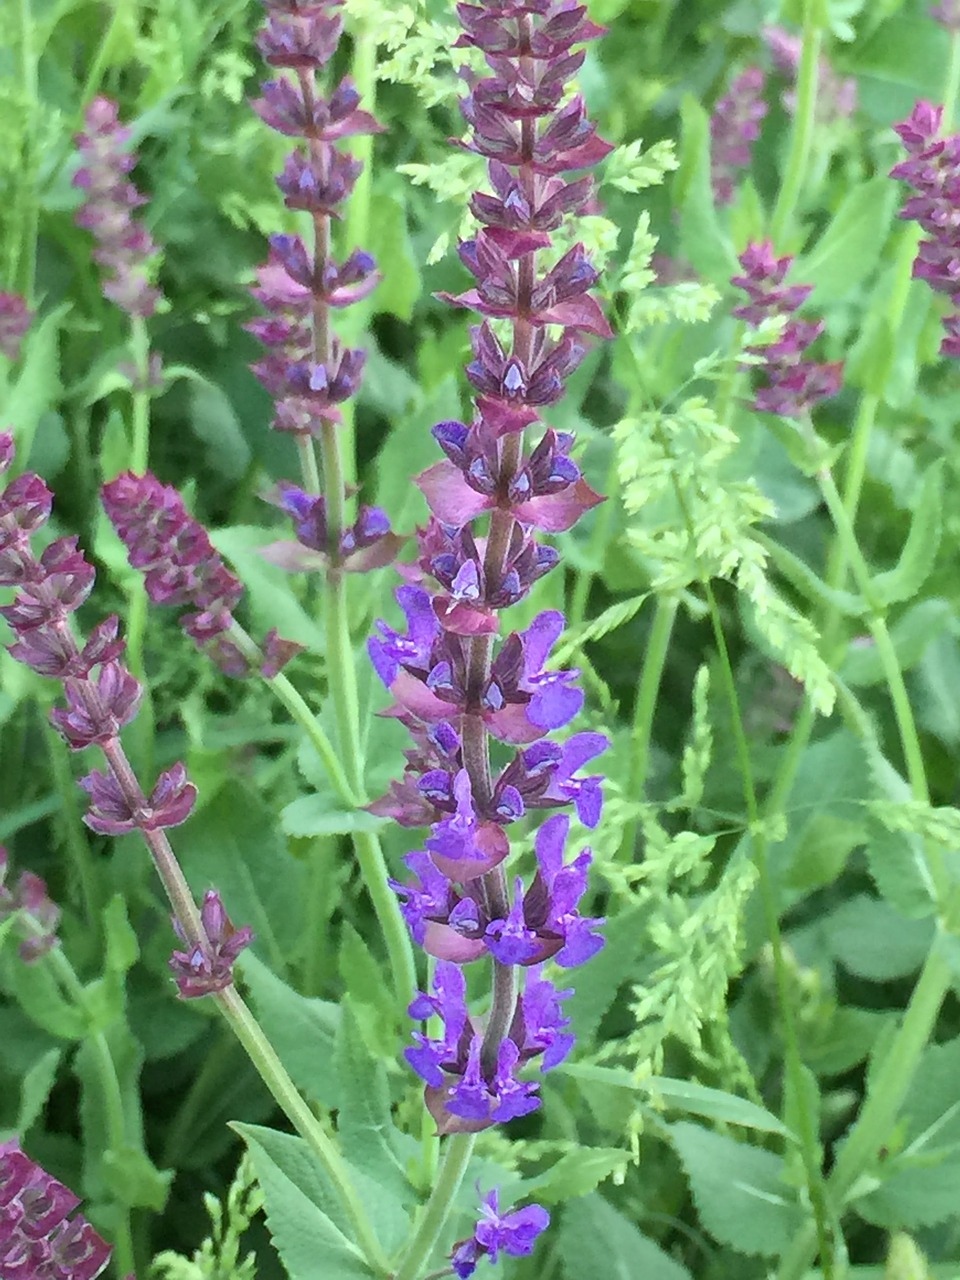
{"x": 218, "y": 1257}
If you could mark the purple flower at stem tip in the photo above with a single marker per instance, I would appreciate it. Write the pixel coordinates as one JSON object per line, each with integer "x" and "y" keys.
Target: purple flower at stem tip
{"x": 513, "y": 1233}
{"x": 208, "y": 965}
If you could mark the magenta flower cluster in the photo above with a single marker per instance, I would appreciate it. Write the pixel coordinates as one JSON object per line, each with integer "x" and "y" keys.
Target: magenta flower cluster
{"x": 306, "y": 369}
{"x": 932, "y": 169}
{"x": 794, "y": 384}
{"x": 512, "y": 1233}
{"x": 29, "y": 899}
{"x": 207, "y": 966}
{"x": 15, "y": 319}
{"x": 454, "y": 686}
{"x": 181, "y": 569}
{"x": 734, "y": 128}
{"x": 125, "y": 248}
{"x": 38, "y": 1238}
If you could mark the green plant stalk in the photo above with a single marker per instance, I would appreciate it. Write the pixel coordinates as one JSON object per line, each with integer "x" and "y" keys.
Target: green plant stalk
{"x": 78, "y": 846}
{"x": 801, "y": 138}
{"x": 952, "y": 85}
{"x": 271, "y": 1071}
{"x": 884, "y": 1099}
{"x": 182, "y": 1131}
{"x": 23, "y": 266}
{"x": 322, "y": 891}
{"x": 124, "y": 1260}
{"x": 648, "y": 689}
{"x": 807, "y": 1123}
{"x": 137, "y": 603}
{"x": 456, "y": 1157}
{"x": 119, "y": 14}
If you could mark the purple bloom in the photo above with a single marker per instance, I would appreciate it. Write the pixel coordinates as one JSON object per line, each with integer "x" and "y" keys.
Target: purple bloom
{"x": 113, "y": 812}
{"x": 38, "y": 1238}
{"x": 794, "y": 385}
{"x": 836, "y": 96}
{"x": 208, "y": 966}
{"x": 513, "y": 1233}
{"x": 29, "y": 895}
{"x": 15, "y": 319}
{"x": 367, "y": 544}
{"x": 125, "y": 248}
{"x": 947, "y": 13}
{"x": 734, "y": 128}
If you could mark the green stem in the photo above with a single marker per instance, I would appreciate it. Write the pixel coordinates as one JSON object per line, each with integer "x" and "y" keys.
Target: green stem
{"x": 648, "y": 689}
{"x": 803, "y": 128}
{"x": 24, "y": 242}
{"x": 78, "y": 846}
{"x": 271, "y": 1071}
{"x": 320, "y": 896}
{"x": 806, "y": 1121}
{"x": 887, "y": 1091}
{"x": 456, "y": 1157}
{"x": 373, "y": 868}
{"x": 952, "y": 84}
{"x": 123, "y": 1260}
{"x": 142, "y": 734}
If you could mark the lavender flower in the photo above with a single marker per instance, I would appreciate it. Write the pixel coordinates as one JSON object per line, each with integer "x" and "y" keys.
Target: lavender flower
{"x": 947, "y": 13}
{"x": 15, "y": 319}
{"x": 932, "y": 170}
{"x": 453, "y": 684}
{"x": 125, "y": 248}
{"x": 181, "y": 568}
{"x": 513, "y": 1233}
{"x": 794, "y": 385}
{"x": 306, "y": 369}
{"x": 38, "y": 1238}
{"x": 734, "y": 128}
{"x": 48, "y": 591}
{"x": 837, "y": 95}
{"x": 208, "y": 965}
{"x": 29, "y": 896}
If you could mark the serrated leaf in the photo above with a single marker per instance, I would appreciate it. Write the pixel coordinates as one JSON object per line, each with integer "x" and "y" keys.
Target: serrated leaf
{"x": 612, "y": 618}
{"x": 300, "y": 1208}
{"x": 920, "y": 550}
{"x": 35, "y": 1088}
{"x": 576, "y": 1173}
{"x": 370, "y": 996}
{"x": 874, "y": 941}
{"x": 738, "y": 1191}
{"x": 596, "y": 1240}
{"x": 302, "y": 1029}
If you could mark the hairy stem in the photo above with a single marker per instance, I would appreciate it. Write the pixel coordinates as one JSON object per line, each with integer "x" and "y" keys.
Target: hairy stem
{"x": 456, "y": 1157}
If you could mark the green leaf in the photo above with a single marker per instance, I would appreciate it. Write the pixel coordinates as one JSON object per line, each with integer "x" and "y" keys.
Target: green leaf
{"x": 301, "y": 1029}
{"x": 37, "y": 387}
{"x": 578, "y": 1172}
{"x": 596, "y": 1240}
{"x": 847, "y": 251}
{"x": 873, "y": 940}
{"x": 702, "y": 240}
{"x": 390, "y": 245}
{"x": 214, "y": 422}
{"x": 923, "y": 542}
{"x": 370, "y": 996}
{"x": 132, "y": 1179}
{"x": 302, "y": 1212}
{"x": 803, "y": 579}
{"x": 364, "y": 1122}
{"x": 911, "y": 634}
{"x": 123, "y": 949}
{"x": 598, "y": 981}
{"x": 318, "y": 815}
{"x": 896, "y": 858}
{"x": 712, "y": 1104}
{"x": 738, "y": 1191}
{"x": 233, "y": 843}
{"x": 822, "y": 851}
{"x": 272, "y": 600}
{"x": 834, "y": 1046}
{"x": 35, "y": 1088}
{"x": 39, "y": 995}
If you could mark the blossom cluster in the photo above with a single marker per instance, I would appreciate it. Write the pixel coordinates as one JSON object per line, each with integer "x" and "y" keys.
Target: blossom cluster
{"x": 182, "y": 569}
{"x": 15, "y": 319}
{"x": 29, "y": 898}
{"x": 932, "y": 169}
{"x": 454, "y": 686}
{"x": 947, "y": 13}
{"x": 512, "y": 1233}
{"x": 306, "y": 369}
{"x": 125, "y": 248}
{"x": 734, "y": 128}
{"x": 794, "y": 384}
{"x": 38, "y": 1238}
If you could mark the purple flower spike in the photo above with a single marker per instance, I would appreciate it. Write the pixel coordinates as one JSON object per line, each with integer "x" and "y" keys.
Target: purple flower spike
{"x": 513, "y": 1233}
{"x": 38, "y": 1239}
{"x": 209, "y": 968}
{"x": 15, "y": 319}
{"x": 734, "y": 128}
{"x": 795, "y": 385}
{"x": 125, "y": 248}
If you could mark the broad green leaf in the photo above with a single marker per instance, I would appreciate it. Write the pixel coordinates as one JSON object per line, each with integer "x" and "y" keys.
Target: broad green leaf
{"x": 822, "y": 851}
{"x": 364, "y": 1123}
{"x": 902, "y": 52}
{"x": 35, "y": 1089}
{"x": 301, "y": 1029}
{"x": 132, "y": 1179}
{"x": 803, "y": 579}
{"x": 847, "y": 251}
{"x": 702, "y": 240}
{"x": 36, "y": 388}
{"x": 596, "y": 1240}
{"x": 896, "y": 859}
{"x": 738, "y": 1191}
{"x": 873, "y": 940}
{"x": 923, "y": 542}
{"x": 304, "y": 1220}
{"x": 370, "y": 995}
{"x": 214, "y": 422}
{"x": 836, "y": 1045}
{"x": 40, "y": 997}
{"x": 319, "y": 815}
{"x": 712, "y": 1104}
{"x": 391, "y": 247}
{"x": 233, "y": 844}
